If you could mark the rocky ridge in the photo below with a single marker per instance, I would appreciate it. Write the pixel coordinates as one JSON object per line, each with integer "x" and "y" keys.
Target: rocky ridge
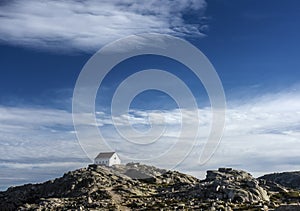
{"x": 140, "y": 187}
{"x": 285, "y": 179}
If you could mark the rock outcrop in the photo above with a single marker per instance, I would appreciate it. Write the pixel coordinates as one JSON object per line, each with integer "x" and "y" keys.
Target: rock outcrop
{"x": 234, "y": 186}
{"x": 140, "y": 187}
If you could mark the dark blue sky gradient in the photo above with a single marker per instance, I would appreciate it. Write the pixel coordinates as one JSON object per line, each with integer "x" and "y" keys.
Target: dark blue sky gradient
{"x": 30, "y": 76}
{"x": 251, "y": 44}
{"x": 254, "y": 42}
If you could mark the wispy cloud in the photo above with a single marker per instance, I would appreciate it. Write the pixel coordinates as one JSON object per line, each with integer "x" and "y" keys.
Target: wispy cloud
{"x": 87, "y": 25}
{"x": 261, "y": 135}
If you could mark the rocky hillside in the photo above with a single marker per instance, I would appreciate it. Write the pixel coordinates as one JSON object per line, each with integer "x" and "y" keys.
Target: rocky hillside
{"x": 140, "y": 187}
{"x": 286, "y": 179}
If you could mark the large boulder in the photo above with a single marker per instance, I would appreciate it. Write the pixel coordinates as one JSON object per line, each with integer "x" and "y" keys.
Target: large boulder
{"x": 233, "y": 186}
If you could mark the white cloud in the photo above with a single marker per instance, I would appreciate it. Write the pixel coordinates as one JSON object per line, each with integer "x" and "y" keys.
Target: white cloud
{"x": 87, "y": 25}
{"x": 261, "y": 135}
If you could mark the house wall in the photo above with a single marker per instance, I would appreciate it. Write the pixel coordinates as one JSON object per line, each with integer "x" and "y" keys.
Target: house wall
{"x": 114, "y": 160}
{"x": 102, "y": 161}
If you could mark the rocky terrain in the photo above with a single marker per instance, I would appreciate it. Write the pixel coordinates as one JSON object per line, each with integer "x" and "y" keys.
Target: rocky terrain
{"x": 286, "y": 179}
{"x": 140, "y": 187}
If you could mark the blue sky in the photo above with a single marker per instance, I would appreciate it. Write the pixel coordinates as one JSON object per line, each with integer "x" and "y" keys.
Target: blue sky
{"x": 253, "y": 45}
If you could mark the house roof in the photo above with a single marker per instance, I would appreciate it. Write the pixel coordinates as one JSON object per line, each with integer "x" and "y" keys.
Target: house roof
{"x": 102, "y": 155}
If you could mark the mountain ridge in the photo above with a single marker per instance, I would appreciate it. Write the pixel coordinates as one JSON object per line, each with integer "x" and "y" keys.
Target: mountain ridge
{"x": 135, "y": 186}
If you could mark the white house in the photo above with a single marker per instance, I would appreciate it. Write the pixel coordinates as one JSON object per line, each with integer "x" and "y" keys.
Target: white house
{"x": 107, "y": 159}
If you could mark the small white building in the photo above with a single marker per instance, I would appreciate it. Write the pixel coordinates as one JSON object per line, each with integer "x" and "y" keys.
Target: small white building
{"x": 107, "y": 159}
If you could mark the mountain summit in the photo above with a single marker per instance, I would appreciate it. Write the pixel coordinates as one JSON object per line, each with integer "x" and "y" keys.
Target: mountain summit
{"x": 141, "y": 187}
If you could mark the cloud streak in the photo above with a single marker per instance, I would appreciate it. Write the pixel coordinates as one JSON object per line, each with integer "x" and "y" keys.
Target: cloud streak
{"x": 261, "y": 135}
{"x": 88, "y": 25}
